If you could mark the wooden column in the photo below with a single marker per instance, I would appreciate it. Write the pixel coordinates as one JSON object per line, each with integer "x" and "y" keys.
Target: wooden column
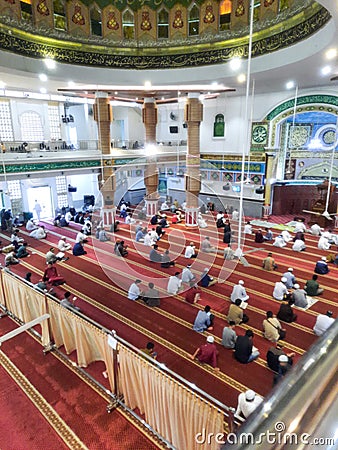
{"x": 193, "y": 115}
{"x": 149, "y": 118}
{"x": 103, "y": 115}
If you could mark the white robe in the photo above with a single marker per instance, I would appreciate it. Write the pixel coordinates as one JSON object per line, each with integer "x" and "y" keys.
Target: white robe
{"x": 323, "y": 243}
{"x": 279, "y": 242}
{"x": 298, "y": 245}
{"x": 38, "y": 233}
{"x": 286, "y": 235}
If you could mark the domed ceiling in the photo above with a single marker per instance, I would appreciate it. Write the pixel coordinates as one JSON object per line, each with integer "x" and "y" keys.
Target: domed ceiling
{"x": 137, "y": 34}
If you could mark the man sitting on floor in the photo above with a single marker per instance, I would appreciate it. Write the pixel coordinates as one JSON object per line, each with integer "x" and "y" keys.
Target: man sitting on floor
{"x": 190, "y": 251}
{"x": 204, "y": 320}
{"x": 280, "y": 289}
{"x": 236, "y": 314}
{"x": 154, "y": 255}
{"x": 312, "y": 287}
{"x": 269, "y": 263}
{"x": 259, "y": 238}
{"x": 166, "y": 260}
{"x": 39, "y": 233}
{"x": 51, "y": 276}
{"x": 286, "y": 313}
{"x": 67, "y": 303}
{"x": 22, "y": 251}
{"x": 299, "y": 297}
{"x": 206, "y": 279}
{"x": 134, "y": 292}
{"x": 229, "y": 335}
{"x": 187, "y": 276}
{"x": 247, "y": 402}
{"x": 78, "y": 249}
{"x": 207, "y": 353}
{"x": 206, "y": 247}
{"x": 11, "y": 260}
{"x": 271, "y": 327}
{"x": 323, "y": 322}
{"x": 290, "y": 278}
{"x": 322, "y": 267}
{"x": 174, "y": 284}
{"x": 239, "y": 291}
{"x": 151, "y": 296}
{"x": 245, "y": 352}
{"x": 279, "y": 242}
{"x": 64, "y": 246}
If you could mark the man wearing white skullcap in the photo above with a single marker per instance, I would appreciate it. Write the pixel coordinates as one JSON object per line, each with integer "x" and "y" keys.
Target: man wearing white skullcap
{"x": 207, "y": 353}
{"x": 247, "y": 403}
{"x": 239, "y": 291}
{"x": 283, "y": 367}
{"x": 280, "y": 289}
{"x": 291, "y": 279}
{"x": 299, "y": 297}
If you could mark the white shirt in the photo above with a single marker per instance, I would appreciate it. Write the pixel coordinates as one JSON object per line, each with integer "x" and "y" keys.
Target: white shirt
{"x": 189, "y": 251}
{"x": 247, "y": 229}
{"x": 323, "y": 243}
{"x": 63, "y": 246}
{"x": 80, "y": 237}
{"x": 235, "y": 215}
{"x": 298, "y": 245}
{"x": 129, "y": 220}
{"x": 174, "y": 284}
{"x": 315, "y": 229}
{"x": 279, "y": 290}
{"x": 30, "y": 225}
{"x": 219, "y": 216}
{"x": 238, "y": 291}
{"x": 300, "y": 227}
{"x": 286, "y": 235}
{"x": 187, "y": 275}
{"x": 134, "y": 291}
{"x": 279, "y": 242}
{"x": 68, "y": 216}
{"x": 149, "y": 240}
{"x": 323, "y": 322}
{"x": 246, "y": 408}
{"x": 38, "y": 234}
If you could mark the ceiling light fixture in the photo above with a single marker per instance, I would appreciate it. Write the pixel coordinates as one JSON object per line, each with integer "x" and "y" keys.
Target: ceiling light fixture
{"x": 331, "y": 53}
{"x": 235, "y": 63}
{"x": 43, "y": 90}
{"x": 50, "y": 63}
{"x": 325, "y": 70}
{"x": 290, "y": 85}
{"x": 241, "y": 78}
{"x": 71, "y": 84}
{"x": 2, "y": 85}
{"x": 147, "y": 85}
{"x": 43, "y": 77}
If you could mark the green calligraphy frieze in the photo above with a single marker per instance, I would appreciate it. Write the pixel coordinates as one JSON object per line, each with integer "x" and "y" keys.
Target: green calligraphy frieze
{"x": 50, "y": 166}
{"x": 28, "y": 44}
{"x": 304, "y": 100}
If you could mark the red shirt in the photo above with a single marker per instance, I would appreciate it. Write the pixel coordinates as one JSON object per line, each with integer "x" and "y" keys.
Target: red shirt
{"x": 207, "y": 354}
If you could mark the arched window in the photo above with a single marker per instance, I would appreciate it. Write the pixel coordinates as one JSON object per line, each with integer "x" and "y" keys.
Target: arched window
{"x": 60, "y": 22}
{"x": 31, "y": 127}
{"x": 194, "y": 21}
{"x": 95, "y": 22}
{"x": 26, "y": 11}
{"x": 219, "y": 126}
{"x": 163, "y": 24}
{"x": 224, "y": 15}
{"x": 128, "y": 25}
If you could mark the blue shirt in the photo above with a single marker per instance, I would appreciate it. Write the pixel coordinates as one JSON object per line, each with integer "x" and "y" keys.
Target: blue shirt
{"x": 139, "y": 235}
{"x": 205, "y": 280}
{"x": 202, "y": 321}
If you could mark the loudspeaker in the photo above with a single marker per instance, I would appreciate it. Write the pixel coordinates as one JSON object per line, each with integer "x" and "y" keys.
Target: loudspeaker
{"x": 72, "y": 189}
{"x": 89, "y": 200}
{"x": 185, "y": 125}
{"x": 173, "y": 130}
{"x": 259, "y": 190}
{"x": 226, "y": 187}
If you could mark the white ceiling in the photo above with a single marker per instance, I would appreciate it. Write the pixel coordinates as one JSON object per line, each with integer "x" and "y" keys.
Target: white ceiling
{"x": 301, "y": 63}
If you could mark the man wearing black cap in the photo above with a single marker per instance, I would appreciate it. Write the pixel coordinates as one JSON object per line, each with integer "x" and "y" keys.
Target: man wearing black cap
{"x": 323, "y": 322}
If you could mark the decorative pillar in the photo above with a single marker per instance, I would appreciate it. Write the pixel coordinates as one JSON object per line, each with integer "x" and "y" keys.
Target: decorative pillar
{"x": 103, "y": 116}
{"x": 193, "y": 115}
{"x": 149, "y": 118}
{"x": 269, "y": 164}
